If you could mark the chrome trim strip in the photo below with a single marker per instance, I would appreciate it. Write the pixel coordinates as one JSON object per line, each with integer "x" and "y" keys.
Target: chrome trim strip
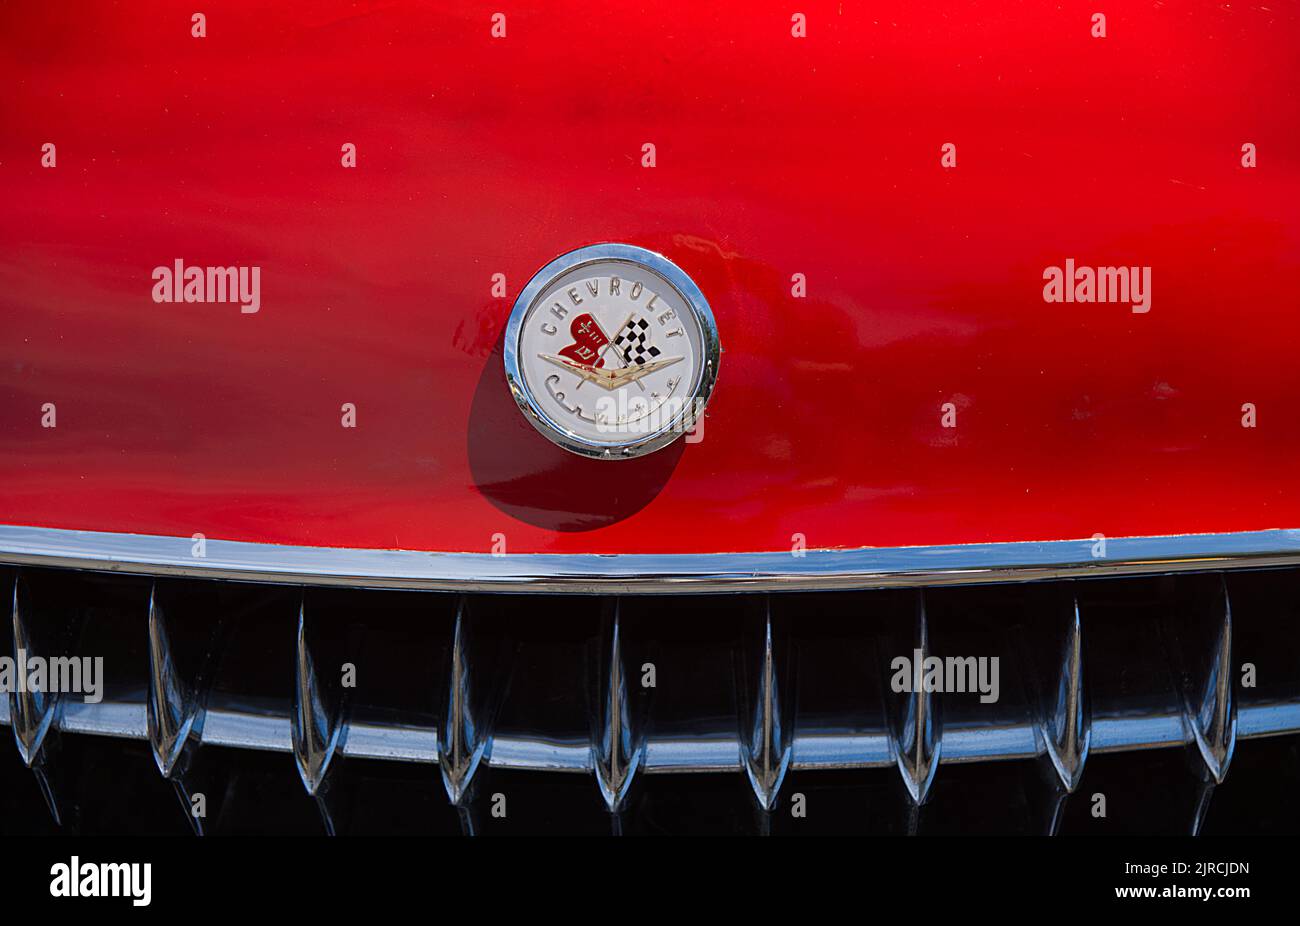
{"x": 709, "y": 752}
{"x": 842, "y": 749}
{"x": 989, "y": 743}
{"x": 705, "y": 753}
{"x": 1271, "y": 718}
{"x": 1124, "y": 734}
{"x": 246, "y": 730}
{"x": 125, "y": 720}
{"x": 539, "y": 754}
{"x": 860, "y": 568}
{"x": 397, "y": 743}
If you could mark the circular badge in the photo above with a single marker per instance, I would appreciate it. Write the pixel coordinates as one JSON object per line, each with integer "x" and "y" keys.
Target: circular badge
{"x": 611, "y": 351}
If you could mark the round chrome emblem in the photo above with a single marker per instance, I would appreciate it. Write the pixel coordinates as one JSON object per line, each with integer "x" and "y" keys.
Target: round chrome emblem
{"x": 611, "y": 351}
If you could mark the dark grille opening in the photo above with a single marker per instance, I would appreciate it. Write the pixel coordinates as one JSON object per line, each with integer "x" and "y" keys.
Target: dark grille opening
{"x": 655, "y": 714}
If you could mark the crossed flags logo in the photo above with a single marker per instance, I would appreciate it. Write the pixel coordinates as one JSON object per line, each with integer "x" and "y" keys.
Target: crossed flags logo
{"x": 633, "y": 342}
{"x": 591, "y": 347}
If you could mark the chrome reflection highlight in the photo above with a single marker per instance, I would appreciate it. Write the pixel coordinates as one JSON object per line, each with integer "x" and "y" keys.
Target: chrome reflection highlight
{"x": 171, "y": 706}
{"x": 234, "y": 725}
{"x": 917, "y": 743}
{"x": 462, "y": 742}
{"x": 765, "y": 743}
{"x": 1209, "y": 706}
{"x": 31, "y": 713}
{"x": 315, "y": 724}
{"x": 1066, "y": 725}
{"x": 616, "y": 750}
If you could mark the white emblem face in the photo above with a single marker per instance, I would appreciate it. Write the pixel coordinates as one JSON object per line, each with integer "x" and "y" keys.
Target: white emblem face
{"x": 611, "y": 351}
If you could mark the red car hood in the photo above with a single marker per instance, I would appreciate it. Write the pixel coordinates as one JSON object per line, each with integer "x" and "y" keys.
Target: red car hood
{"x": 776, "y": 156}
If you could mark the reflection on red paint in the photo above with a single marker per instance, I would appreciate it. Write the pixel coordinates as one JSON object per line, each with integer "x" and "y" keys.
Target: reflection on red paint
{"x": 775, "y": 156}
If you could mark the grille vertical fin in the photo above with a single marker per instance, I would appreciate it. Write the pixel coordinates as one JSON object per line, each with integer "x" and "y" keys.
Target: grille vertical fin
{"x": 765, "y": 740}
{"x": 33, "y": 714}
{"x": 617, "y": 750}
{"x": 1208, "y": 703}
{"x": 1066, "y": 724}
{"x": 1159, "y": 675}
{"x": 917, "y": 733}
{"x": 315, "y": 718}
{"x": 173, "y": 712}
{"x": 462, "y": 745}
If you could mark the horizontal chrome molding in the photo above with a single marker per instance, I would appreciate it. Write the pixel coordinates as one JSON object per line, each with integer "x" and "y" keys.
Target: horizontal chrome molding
{"x": 707, "y": 752}
{"x": 860, "y": 568}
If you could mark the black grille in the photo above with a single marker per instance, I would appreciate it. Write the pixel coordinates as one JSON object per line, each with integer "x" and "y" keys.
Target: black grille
{"x": 740, "y": 713}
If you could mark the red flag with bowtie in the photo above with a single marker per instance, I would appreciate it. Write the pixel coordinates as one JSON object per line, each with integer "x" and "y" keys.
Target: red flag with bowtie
{"x": 588, "y": 339}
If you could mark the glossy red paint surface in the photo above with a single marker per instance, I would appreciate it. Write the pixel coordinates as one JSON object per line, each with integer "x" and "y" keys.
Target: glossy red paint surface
{"x": 775, "y": 156}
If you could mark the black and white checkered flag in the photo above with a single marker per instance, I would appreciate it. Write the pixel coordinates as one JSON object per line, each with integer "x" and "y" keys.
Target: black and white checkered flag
{"x": 633, "y": 342}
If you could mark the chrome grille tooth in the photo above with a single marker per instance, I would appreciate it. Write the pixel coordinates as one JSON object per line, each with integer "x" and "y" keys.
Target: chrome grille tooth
{"x": 175, "y": 708}
{"x": 463, "y": 741}
{"x": 1065, "y": 719}
{"x": 315, "y": 724}
{"x": 917, "y": 738}
{"x": 1076, "y": 710}
{"x": 173, "y": 713}
{"x": 617, "y": 749}
{"x": 32, "y": 714}
{"x": 1209, "y": 708}
{"x": 765, "y": 740}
